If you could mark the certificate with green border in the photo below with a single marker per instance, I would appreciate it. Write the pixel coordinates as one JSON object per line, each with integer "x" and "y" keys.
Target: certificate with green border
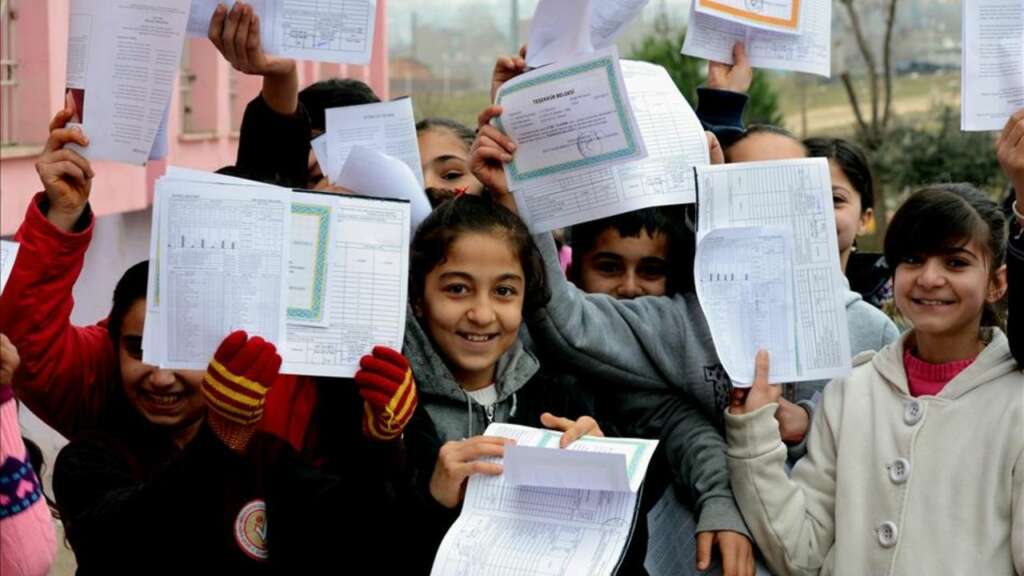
{"x": 590, "y": 151}
{"x": 317, "y": 219}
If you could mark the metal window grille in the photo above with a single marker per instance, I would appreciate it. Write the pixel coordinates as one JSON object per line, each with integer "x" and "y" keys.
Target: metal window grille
{"x": 8, "y": 71}
{"x": 187, "y": 80}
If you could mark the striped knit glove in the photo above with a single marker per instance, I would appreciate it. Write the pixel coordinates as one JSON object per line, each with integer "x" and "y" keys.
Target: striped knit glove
{"x": 389, "y": 393}
{"x": 235, "y": 387}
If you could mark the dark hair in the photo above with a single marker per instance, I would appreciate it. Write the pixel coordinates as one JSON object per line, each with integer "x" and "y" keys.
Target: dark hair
{"x": 129, "y": 290}
{"x": 656, "y": 220}
{"x": 461, "y": 131}
{"x": 466, "y": 214}
{"x": 852, "y": 160}
{"x": 333, "y": 93}
{"x": 943, "y": 217}
{"x": 755, "y": 129}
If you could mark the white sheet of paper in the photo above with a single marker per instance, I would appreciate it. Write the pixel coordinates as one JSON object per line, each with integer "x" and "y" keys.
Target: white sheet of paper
{"x": 560, "y": 30}
{"x": 370, "y": 173}
{"x": 796, "y": 195}
{"x": 8, "y": 254}
{"x": 122, "y": 62}
{"x": 992, "y": 83}
{"x": 810, "y": 51}
{"x": 675, "y": 143}
{"x": 152, "y": 333}
{"x": 744, "y": 279}
{"x": 319, "y": 146}
{"x": 366, "y": 287}
{"x": 224, "y": 267}
{"x": 387, "y": 127}
{"x": 569, "y": 117}
{"x": 335, "y": 31}
{"x": 775, "y": 15}
{"x": 609, "y": 17}
{"x": 565, "y": 531}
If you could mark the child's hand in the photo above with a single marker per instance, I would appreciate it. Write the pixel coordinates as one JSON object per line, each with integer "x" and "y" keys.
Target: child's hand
{"x": 65, "y": 174}
{"x": 572, "y": 430}
{"x": 457, "y": 461}
{"x": 236, "y": 384}
{"x": 793, "y": 421}
{"x": 761, "y": 393}
{"x": 1010, "y": 153}
{"x": 715, "y": 151}
{"x": 9, "y": 361}
{"x": 491, "y": 150}
{"x": 507, "y": 68}
{"x": 385, "y": 382}
{"x": 236, "y": 34}
{"x": 737, "y": 552}
{"x": 735, "y": 77}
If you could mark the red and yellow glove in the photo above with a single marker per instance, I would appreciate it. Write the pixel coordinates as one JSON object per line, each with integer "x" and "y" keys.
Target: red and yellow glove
{"x": 389, "y": 393}
{"x": 236, "y": 385}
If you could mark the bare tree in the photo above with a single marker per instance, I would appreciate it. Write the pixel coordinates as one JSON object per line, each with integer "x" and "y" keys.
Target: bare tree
{"x": 872, "y": 129}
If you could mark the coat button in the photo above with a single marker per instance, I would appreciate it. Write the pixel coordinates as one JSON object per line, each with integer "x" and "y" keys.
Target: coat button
{"x": 887, "y": 534}
{"x": 899, "y": 470}
{"x": 912, "y": 412}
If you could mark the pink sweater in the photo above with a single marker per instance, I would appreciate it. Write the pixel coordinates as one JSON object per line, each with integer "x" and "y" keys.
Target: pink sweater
{"x": 926, "y": 379}
{"x": 27, "y": 541}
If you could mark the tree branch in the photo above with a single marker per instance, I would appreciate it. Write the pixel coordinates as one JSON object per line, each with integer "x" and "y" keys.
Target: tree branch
{"x": 887, "y": 61}
{"x": 869, "y": 59}
{"x": 864, "y": 130}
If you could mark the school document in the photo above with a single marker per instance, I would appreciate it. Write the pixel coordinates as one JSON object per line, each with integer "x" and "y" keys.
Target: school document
{"x": 518, "y": 528}
{"x": 810, "y": 51}
{"x": 123, "y": 58}
{"x": 775, "y": 15}
{"x": 322, "y": 276}
{"x": 8, "y": 253}
{"x": 328, "y": 31}
{"x": 992, "y": 84}
{"x": 675, "y": 143}
{"x": 767, "y": 269}
{"x": 568, "y": 117}
{"x": 566, "y": 28}
{"x": 387, "y": 127}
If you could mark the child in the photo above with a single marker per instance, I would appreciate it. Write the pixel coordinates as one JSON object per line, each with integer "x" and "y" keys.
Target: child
{"x": 27, "y": 541}
{"x": 627, "y": 255}
{"x": 444, "y": 151}
{"x": 915, "y": 462}
{"x": 474, "y": 271}
{"x": 1010, "y": 153}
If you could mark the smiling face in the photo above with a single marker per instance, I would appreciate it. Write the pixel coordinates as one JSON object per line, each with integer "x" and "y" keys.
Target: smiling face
{"x": 167, "y": 399}
{"x": 625, "y": 267}
{"x": 944, "y": 294}
{"x": 445, "y": 159}
{"x": 851, "y": 219}
{"x": 472, "y": 305}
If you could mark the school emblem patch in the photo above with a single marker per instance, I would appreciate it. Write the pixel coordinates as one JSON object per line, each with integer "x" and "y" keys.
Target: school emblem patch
{"x": 251, "y": 530}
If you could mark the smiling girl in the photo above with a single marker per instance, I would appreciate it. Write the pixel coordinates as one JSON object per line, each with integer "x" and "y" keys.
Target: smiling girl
{"x": 915, "y": 462}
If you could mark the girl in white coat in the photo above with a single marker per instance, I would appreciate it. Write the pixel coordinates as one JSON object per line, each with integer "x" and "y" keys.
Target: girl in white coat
{"x": 915, "y": 462}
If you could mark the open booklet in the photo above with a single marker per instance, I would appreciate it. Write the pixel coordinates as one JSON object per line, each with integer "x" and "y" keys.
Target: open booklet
{"x": 322, "y": 276}
{"x": 992, "y": 82}
{"x": 553, "y": 511}
{"x": 328, "y": 31}
{"x": 767, "y": 269}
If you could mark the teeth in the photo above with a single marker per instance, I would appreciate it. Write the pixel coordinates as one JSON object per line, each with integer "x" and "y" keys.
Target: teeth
{"x": 166, "y": 399}
{"x": 477, "y": 337}
{"x": 932, "y": 302}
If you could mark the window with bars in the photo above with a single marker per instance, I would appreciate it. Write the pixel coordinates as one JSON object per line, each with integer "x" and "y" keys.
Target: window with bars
{"x": 186, "y": 83}
{"x": 8, "y": 72}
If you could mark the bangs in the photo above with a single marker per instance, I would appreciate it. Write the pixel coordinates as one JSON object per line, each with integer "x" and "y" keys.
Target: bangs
{"x": 932, "y": 221}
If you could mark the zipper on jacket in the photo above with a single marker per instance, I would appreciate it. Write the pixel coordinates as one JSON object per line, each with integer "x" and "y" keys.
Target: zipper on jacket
{"x": 489, "y": 410}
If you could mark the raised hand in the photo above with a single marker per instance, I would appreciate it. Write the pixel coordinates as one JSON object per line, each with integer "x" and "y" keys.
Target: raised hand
{"x": 389, "y": 396}
{"x": 735, "y": 77}
{"x": 760, "y": 394}
{"x": 65, "y": 174}
{"x": 491, "y": 150}
{"x": 235, "y": 387}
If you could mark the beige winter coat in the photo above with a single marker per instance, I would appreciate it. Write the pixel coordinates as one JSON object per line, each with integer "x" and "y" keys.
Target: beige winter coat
{"x": 893, "y": 484}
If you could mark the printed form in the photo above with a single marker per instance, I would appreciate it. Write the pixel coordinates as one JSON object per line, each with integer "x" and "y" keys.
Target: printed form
{"x": 992, "y": 84}
{"x": 338, "y": 31}
{"x": 8, "y": 254}
{"x": 712, "y": 38}
{"x": 362, "y": 284}
{"x": 123, "y": 58}
{"x": 522, "y": 530}
{"x": 370, "y": 173}
{"x": 789, "y": 205}
{"x": 675, "y": 143}
{"x": 224, "y": 267}
{"x": 566, "y": 28}
{"x": 387, "y": 127}
{"x": 776, "y": 15}
{"x": 568, "y": 117}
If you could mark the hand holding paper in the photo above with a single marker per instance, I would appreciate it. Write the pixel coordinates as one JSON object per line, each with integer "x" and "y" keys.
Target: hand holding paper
{"x": 65, "y": 174}
{"x": 572, "y": 430}
{"x": 236, "y": 35}
{"x": 457, "y": 461}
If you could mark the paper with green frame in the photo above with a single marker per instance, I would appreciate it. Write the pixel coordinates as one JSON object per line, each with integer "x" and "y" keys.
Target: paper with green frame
{"x": 307, "y": 263}
{"x": 568, "y": 117}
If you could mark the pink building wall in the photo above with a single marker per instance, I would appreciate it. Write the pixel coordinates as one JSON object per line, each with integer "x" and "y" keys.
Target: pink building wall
{"x": 41, "y": 28}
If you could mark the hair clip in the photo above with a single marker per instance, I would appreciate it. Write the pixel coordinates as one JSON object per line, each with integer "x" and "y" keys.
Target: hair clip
{"x": 460, "y": 191}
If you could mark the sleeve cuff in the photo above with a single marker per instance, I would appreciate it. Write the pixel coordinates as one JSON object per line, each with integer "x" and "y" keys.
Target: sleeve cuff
{"x": 37, "y": 231}
{"x": 754, "y": 434}
{"x": 721, "y": 513}
{"x": 721, "y": 111}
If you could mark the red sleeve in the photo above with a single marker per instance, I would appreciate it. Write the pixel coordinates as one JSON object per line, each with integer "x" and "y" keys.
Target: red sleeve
{"x": 64, "y": 369}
